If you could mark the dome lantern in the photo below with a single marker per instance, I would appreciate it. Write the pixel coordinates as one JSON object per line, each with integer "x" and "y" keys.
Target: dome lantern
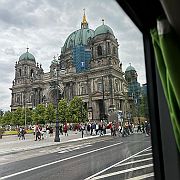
{"x": 84, "y": 23}
{"x": 130, "y": 68}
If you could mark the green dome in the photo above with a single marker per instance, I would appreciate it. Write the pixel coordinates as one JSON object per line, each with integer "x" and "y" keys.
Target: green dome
{"x": 130, "y": 68}
{"x": 54, "y": 61}
{"x": 27, "y": 56}
{"x": 103, "y": 29}
{"x": 79, "y": 37}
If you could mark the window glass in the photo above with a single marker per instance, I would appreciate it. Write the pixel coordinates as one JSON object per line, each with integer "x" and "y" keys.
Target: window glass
{"x": 97, "y": 132}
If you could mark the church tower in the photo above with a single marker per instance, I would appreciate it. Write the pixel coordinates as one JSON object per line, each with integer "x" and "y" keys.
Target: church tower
{"x": 28, "y": 83}
{"x": 104, "y": 47}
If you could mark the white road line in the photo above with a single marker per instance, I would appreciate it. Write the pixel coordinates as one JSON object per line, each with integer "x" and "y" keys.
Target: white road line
{"x": 143, "y": 155}
{"x": 122, "y": 172}
{"x": 132, "y": 162}
{"x": 149, "y": 150}
{"x": 58, "y": 161}
{"x": 61, "y": 152}
{"x": 144, "y": 176}
{"x": 91, "y": 177}
{"x": 73, "y": 148}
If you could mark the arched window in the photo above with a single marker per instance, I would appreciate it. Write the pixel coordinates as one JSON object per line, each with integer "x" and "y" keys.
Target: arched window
{"x": 18, "y": 99}
{"x": 99, "y": 86}
{"x": 62, "y": 65}
{"x": 99, "y": 50}
{"x": 19, "y": 72}
{"x": 114, "y": 50}
{"x": 83, "y": 90}
{"x": 25, "y": 70}
{"x": 108, "y": 48}
{"x": 31, "y": 72}
{"x": 116, "y": 84}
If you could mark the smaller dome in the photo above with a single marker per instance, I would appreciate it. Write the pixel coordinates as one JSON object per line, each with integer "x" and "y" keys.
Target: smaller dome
{"x": 103, "y": 29}
{"x": 54, "y": 61}
{"x": 27, "y": 56}
{"x": 130, "y": 68}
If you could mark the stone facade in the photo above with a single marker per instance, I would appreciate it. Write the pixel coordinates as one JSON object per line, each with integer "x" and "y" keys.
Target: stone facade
{"x": 101, "y": 84}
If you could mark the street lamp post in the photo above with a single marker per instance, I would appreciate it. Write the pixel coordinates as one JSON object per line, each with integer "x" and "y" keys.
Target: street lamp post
{"x": 25, "y": 109}
{"x": 103, "y": 115}
{"x": 25, "y": 116}
{"x": 57, "y": 138}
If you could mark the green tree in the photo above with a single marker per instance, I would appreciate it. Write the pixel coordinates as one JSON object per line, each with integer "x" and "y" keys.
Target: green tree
{"x": 7, "y": 118}
{"x": 1, "y": 116}
{"x": 143, "y": 107}
{"x": 17, "y": 117}
{"x": 28, "y": 113}
{"x": 50, "y": 113}
{"x": 63, "y": 111}
{"x": 39, "y": 114}
{"x": 76, "y": 110}
{"x": 84, "y": 113}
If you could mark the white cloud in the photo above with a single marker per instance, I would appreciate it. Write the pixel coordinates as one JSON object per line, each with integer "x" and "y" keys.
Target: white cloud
{"x": 44, "y": 25}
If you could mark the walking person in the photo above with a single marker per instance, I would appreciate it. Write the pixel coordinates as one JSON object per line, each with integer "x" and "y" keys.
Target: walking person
{"x": 147, "y": 128}
{"x": 61, "y": 129}
{"x": 23, "y": 132}
{"x": 143, "y": 127}
{"x": 92, "y": 125}
{"x": 51, "y": 131}
{"x": 47, "y": 131}
{"x": 65, "y": 129}
{"x": 37, "y": 133}
{"x": 139, "y": 128}
{"x": 97, "y": 128}
{"x": 19, "y": 132}
{"x": 88, "y": 128}
{"x": 82, "y": 129}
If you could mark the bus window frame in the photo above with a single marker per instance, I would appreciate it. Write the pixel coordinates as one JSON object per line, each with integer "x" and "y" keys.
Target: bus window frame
{"x": 166, "y": 157}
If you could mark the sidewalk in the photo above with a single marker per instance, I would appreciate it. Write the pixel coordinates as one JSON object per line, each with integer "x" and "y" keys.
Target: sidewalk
{"x": 12, "y": 144}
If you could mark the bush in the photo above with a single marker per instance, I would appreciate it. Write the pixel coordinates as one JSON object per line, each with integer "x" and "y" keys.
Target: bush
{"x": 2, "y": 130}
{"x": 16, "y": 132}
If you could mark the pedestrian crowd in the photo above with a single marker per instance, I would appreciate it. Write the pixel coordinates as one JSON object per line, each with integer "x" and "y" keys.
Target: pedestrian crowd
{"x": 91, "y": 128}
{"x": 127, "y": 128}
{"x": 40, "y": 132}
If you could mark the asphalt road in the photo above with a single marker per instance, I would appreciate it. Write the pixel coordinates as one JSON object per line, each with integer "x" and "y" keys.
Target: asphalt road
{"x": 101, "y": 158}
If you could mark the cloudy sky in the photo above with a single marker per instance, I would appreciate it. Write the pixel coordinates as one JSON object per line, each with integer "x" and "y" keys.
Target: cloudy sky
{"x": 44, "y": 25}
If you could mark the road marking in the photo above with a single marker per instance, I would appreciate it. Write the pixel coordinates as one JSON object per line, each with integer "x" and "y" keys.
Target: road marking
{"x": 58, "y": 161}
{"x": 143, "y": 155}
{"x": 61, "y": 152}
{"x": 90, "y": 177}
{"x": 132, "y": 162}
{"x": 144, "y": 176}
{"x": 148, "y": 150}
{"x": 73, "y": 149}
{"x": 122, "y": 172}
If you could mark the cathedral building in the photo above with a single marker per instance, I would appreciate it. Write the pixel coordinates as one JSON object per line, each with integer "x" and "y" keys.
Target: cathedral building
{"x": 88, "y": 67}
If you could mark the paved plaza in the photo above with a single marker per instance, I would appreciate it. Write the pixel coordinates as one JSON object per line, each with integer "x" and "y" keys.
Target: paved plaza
{"x": 12, "y": 144}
